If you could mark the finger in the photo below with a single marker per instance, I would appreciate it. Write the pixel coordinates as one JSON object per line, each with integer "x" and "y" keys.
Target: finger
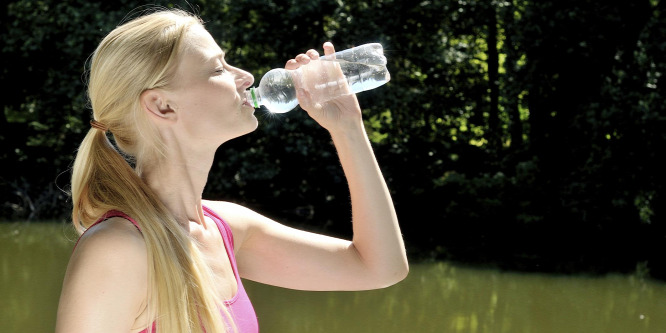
{"x": 304, "y": 98}
{"x": 292, "y": 64}
{"x": 313, "y": 54}
{"x": 303, "y": 59}
{"x": 328, "y": 48}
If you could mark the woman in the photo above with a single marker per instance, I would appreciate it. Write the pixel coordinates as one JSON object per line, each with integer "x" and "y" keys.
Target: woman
{"x": 154, "y": 255}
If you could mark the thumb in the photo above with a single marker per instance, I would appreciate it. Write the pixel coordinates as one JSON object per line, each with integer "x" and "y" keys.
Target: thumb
{"x": 305, "y": 100}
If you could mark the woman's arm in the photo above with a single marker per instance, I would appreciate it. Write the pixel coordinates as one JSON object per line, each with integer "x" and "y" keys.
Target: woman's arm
{"x": 377, "y": 236}
{"x": 275, "y": 254}
{"x": 105, "y": 285}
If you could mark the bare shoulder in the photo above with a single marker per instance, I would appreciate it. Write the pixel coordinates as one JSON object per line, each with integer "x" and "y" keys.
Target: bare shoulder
{"x": 232, "y": 213}
{"x": 238, "y": 217}
{"x": 111, "y": 244}
{"x": 107, "y": 274}
{"x": 106, "y": 250}
{"x": 116, "y": 232}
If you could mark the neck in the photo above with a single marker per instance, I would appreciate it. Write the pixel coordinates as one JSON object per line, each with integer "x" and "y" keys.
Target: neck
{"x": 179, "y": 180}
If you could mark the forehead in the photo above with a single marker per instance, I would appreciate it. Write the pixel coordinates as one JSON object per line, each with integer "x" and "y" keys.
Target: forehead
{"x": 199, "y": 43}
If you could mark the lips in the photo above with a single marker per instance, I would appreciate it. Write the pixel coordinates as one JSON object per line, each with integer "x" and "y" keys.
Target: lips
{"x": 245, "y": 101}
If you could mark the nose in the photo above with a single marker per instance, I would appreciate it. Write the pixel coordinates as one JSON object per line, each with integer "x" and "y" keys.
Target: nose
{"x": 244, "y": 79}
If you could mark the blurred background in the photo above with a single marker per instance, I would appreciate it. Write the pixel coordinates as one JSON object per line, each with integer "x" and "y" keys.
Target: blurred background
{"x": 520, "y": 140}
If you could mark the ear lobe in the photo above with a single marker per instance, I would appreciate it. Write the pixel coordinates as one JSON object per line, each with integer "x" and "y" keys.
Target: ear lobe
{"x": 154, "y": 102}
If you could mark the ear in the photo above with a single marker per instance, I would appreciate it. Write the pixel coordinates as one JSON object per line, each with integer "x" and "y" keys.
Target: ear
{"x": 155, "y": 103}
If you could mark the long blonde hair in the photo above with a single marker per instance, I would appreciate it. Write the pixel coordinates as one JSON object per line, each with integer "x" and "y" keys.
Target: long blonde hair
{"x": 139, "y": 55}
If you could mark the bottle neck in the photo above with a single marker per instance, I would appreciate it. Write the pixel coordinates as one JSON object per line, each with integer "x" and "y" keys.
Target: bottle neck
{"x": 252, "y": 96}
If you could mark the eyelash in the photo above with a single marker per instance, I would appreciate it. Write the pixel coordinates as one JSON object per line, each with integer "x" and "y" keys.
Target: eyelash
{"x": 222, "y": 71}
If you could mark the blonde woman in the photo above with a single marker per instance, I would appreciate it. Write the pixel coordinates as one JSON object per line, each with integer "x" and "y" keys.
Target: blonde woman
{"x": 154, "y": 256}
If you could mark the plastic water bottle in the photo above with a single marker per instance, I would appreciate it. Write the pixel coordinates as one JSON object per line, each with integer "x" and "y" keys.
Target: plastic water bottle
{"x": 363, "y": 67}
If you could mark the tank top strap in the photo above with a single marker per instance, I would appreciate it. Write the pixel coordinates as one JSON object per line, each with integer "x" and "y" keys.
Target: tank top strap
{"x": 117, "y": 213}
{"x": 106, "y": 216}
{"x": 240, "y": 305}
{"x": 225, "y": 231}
{"x": 227, "y": 238}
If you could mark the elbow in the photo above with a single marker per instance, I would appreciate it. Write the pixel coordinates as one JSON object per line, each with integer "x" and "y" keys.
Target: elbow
{"x": 405, "y": 271}
{"x": 383, "y": 272}
{"x": 401, "y": 273}
{"x": 400, "y": 269}
{"x": 393, "y": 276}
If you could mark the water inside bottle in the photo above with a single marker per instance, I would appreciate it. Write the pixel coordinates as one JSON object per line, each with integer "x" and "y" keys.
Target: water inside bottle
{"x": 359, "y": 76}
{"x": 277, "y": 92}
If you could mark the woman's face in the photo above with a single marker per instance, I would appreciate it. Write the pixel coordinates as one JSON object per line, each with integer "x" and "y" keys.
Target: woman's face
{"x": 207, "y": 93}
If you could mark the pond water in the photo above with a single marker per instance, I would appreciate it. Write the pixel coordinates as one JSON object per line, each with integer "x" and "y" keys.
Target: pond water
{"x": 436, "y": 297}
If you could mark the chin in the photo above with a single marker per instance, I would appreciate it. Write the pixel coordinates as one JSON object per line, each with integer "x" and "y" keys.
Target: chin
{"x": 249, "y": 126}
{"x": 254, "y": 126}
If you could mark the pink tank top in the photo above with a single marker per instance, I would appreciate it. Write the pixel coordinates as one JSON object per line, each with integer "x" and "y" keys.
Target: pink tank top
{"x": 240, "y": 307}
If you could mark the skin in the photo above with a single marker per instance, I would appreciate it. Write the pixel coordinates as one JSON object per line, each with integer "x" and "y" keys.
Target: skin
{"x": 105, "y": 285}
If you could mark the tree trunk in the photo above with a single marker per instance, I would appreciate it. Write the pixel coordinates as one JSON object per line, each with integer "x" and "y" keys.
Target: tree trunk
{"x": 494, "y": 130}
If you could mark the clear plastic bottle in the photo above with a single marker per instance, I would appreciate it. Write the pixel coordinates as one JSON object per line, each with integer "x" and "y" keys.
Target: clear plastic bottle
{"x": 363, "y": 67}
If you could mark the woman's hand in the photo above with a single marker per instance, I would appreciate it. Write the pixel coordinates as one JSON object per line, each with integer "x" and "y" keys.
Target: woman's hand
{"x": 313, "y": 89}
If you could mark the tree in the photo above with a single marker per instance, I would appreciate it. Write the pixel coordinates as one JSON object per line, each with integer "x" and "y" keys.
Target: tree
{"x": 515, "y": 126}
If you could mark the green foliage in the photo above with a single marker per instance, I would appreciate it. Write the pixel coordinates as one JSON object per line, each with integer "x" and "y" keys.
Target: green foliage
{"x": 528, "y": 131}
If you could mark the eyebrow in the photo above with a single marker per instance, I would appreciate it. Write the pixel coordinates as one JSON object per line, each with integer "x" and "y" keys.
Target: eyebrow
{"x": 220, "y": 55}
{"x": 214, "y": 57}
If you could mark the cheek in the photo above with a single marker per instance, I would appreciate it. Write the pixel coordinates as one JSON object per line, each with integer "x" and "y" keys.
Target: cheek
{"x": 209, "y": 96}
{"x": 220, "y": 93}
{"x": 210, "y": 102}
{"x": 227, "y": 89}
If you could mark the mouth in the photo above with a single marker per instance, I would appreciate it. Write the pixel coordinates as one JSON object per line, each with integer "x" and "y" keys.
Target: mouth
{"x": 247, "y": 103}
